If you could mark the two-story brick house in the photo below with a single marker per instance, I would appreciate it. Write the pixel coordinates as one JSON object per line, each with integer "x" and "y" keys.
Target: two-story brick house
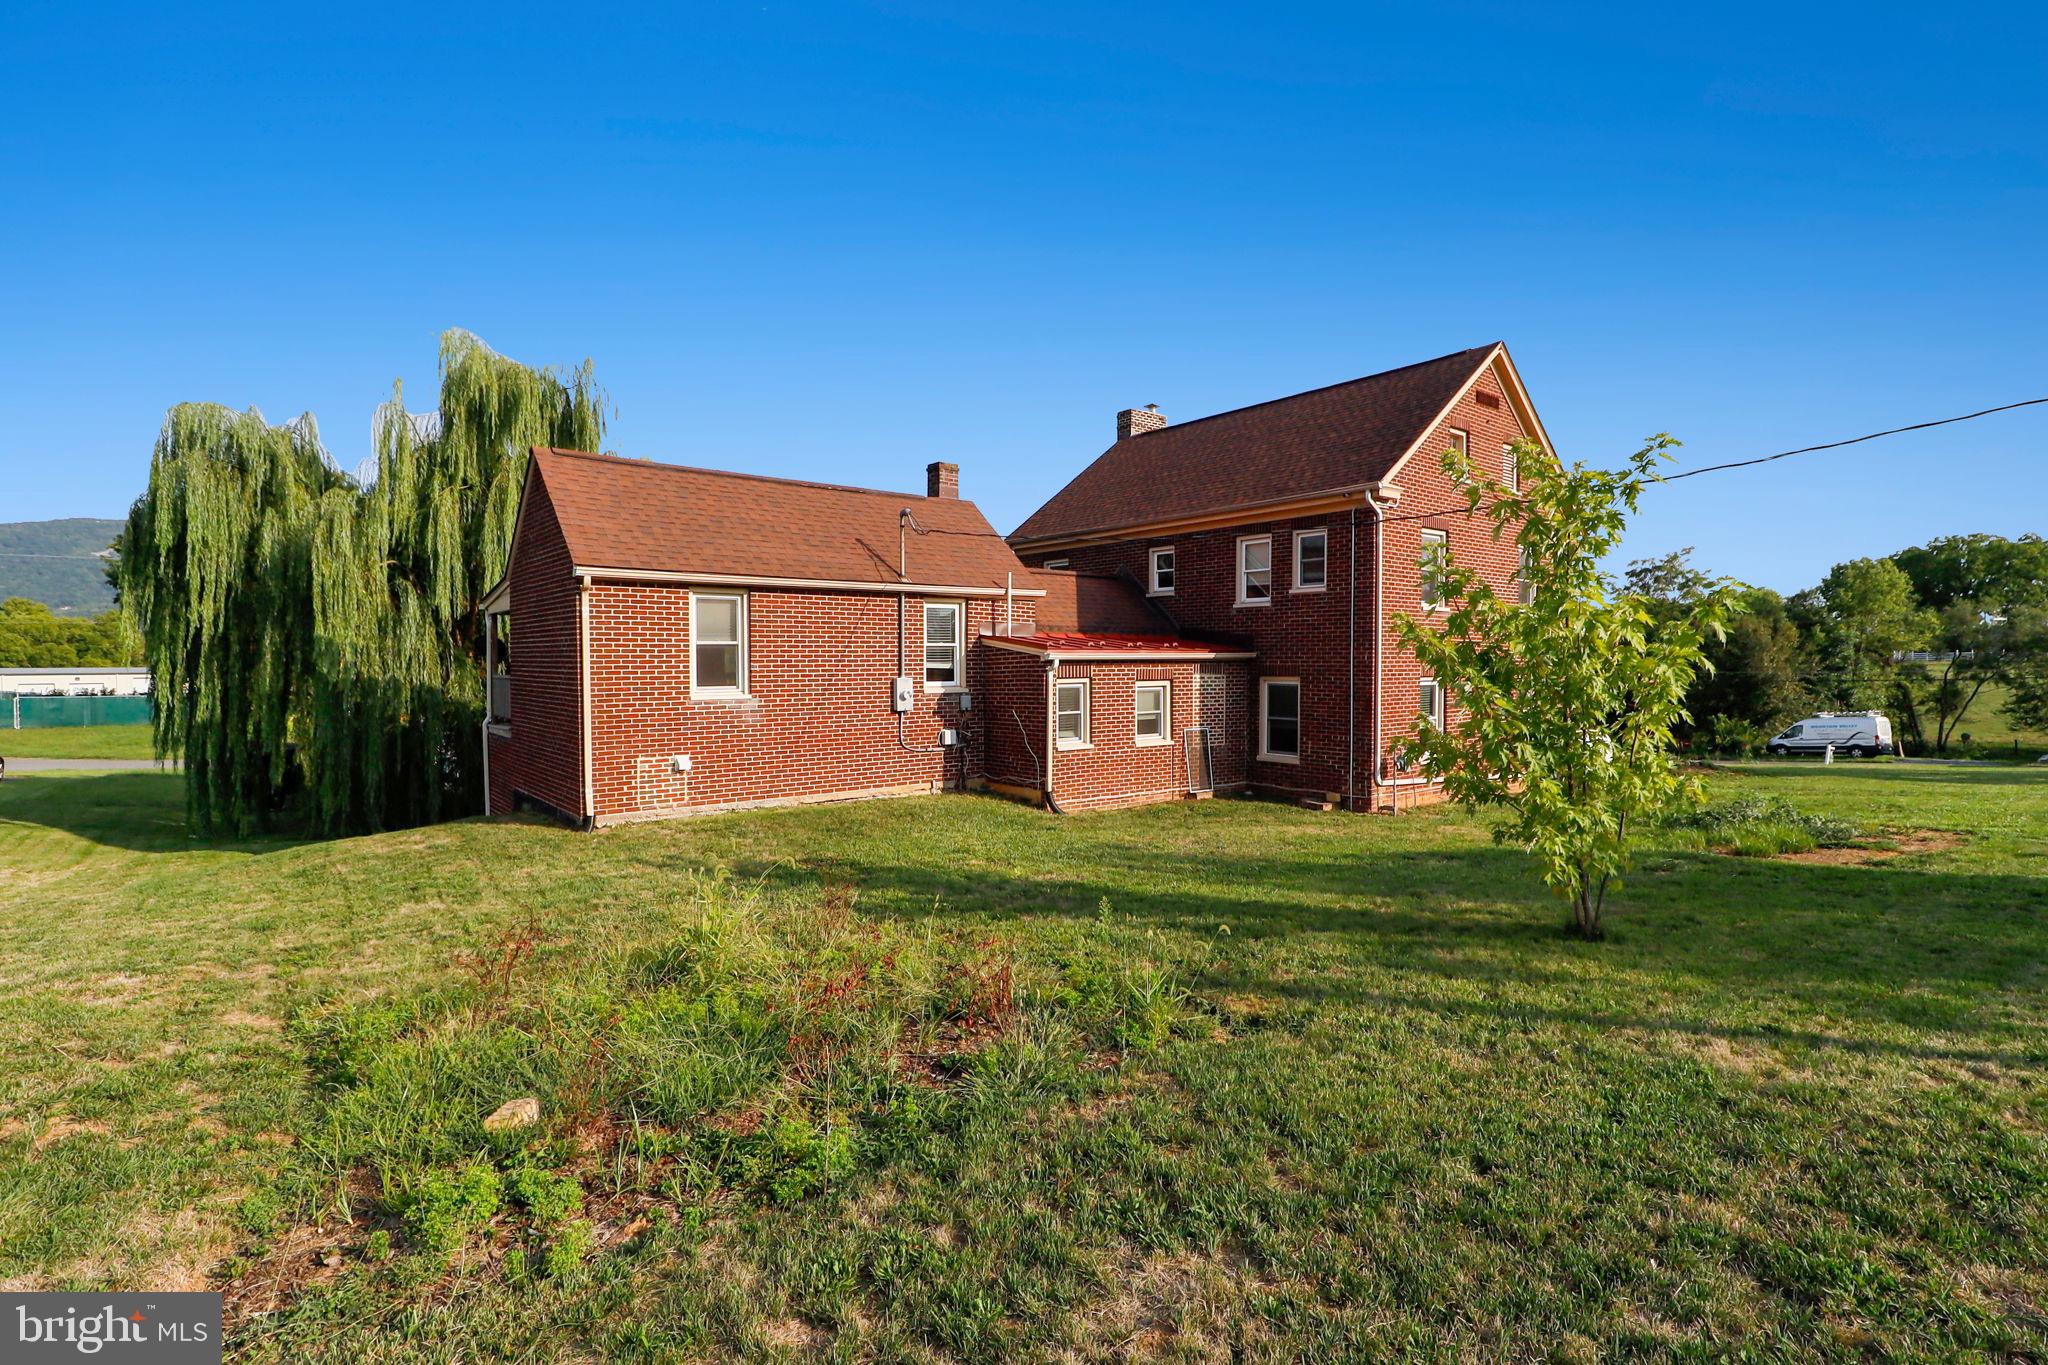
{"x": 1300, "y": 529}
{"x": 1207, "y": 606}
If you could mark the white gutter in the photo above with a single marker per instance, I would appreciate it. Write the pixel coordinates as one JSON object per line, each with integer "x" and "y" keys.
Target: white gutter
{"x": 740, "y": 580}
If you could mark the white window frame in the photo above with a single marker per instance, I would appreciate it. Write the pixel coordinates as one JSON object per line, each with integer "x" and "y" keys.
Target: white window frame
{"x": 1057, "y": 564}
{"x": 1425, "y": 539}
{"x": 958, "y": 645}
{"x": 1525, "y": 586}
{"x": 1152, "y": 588}
{"x": 742, "y": 672}
{"x": 1266, "y": 754}
{"x": 1165, "y": 735}
{"x": 1510, "y": 469}
{"x": 1295, "y": 584}
{"x": 1433, "y": 711}
{"x": 1060, "y": 685}
{"x": 1458, "y": 439}
{"x": 1242, "y": 543}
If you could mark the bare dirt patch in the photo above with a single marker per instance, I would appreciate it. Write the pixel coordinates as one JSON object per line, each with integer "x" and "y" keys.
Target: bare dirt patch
{"x": 262, "y": 1023}
{"x": 1895, "y": 846}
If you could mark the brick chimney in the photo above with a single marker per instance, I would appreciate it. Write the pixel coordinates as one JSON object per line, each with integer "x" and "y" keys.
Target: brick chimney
{"x": 1138, "y": 421}
{"x": 941, "y": 480}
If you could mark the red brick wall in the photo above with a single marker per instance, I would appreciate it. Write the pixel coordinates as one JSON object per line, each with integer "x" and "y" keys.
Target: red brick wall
{"x": 1306, "y": 634}
{"x": 542, "y": 758}
{"x": 817, "y": 720}
{"x": 1114, "y": 769}
{"x": 1424, "y": 487}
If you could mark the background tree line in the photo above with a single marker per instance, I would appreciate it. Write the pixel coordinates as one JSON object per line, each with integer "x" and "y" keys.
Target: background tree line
{"x": 33, "y": 636}
{"x": 1975, "y": 606}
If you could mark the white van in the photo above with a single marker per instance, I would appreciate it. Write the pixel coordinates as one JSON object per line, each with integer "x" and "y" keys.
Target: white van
{"x": 1863, "y": 734}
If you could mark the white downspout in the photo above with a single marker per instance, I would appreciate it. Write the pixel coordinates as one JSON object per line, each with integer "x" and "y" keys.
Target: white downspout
{"x": 583, "y": 648}
{"x": 1379, "y": 641}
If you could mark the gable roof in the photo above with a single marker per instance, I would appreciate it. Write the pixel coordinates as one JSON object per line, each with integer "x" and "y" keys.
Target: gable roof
{"x": 625, "y": 516}
{"x": 1327, "y": 440}
{"x": 1096, "y": 602}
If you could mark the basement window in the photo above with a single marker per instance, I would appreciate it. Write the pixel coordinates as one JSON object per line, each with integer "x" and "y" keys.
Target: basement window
{"x": 1162, "y": 572}
{"x": 942, "y": 645}
{"x": 1311, "y": 561}
{"x": 1254, "y": 571}
{"x": 718, "y": 644}
{"x": 1070, "y": 714}
{"x": 1280, "y": 720}
{"x": 1152, "y": 706}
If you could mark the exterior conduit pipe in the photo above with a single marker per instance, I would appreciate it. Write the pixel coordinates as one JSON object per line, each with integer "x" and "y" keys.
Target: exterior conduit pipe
{"x": 904, "y": 522}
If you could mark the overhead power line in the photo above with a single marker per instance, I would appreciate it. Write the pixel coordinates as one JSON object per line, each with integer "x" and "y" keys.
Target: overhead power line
{"x": 1766, "y": 459}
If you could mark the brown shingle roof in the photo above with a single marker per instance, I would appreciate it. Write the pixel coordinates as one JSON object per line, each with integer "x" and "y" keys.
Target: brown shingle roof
{"x": 1316, "y": 442}
{"x": 1095, "y": 602}
{"x": 634, "y": 514}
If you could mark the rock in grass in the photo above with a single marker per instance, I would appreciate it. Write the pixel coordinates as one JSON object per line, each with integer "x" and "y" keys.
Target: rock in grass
{"x": 520, "y": 1113}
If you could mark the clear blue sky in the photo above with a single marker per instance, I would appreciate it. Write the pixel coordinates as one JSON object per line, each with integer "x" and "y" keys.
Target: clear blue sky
{"x": 837, "y": 242}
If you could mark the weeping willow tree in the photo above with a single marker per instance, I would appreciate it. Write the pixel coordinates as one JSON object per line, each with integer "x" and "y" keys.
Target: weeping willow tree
{"x": 317, "y": 637}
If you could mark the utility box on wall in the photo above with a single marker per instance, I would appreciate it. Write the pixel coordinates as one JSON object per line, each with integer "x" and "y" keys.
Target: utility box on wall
{"x": 902, "y": 696}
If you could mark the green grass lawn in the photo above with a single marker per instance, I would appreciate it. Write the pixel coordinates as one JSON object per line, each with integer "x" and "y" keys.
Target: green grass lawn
{"x": 1268, "y": 1084}
{"x": 1991, "y": 730}
{"x": 78, "y": 741}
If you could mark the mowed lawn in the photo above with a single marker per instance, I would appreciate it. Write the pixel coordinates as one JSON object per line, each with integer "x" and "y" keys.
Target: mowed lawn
{"x": 1791, "y": 1110}
{"x": 78, "y": 741}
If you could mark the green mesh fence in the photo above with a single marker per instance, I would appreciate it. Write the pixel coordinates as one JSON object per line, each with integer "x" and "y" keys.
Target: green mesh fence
{"x": 19, "y": 712}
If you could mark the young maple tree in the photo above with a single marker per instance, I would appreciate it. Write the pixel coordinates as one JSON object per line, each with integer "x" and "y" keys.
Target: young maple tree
{"x": 1570, "y": 694}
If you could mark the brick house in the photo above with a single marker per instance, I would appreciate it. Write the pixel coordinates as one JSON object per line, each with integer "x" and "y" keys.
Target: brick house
{"x": 1199, "y": 610}
{"x": 1300, "y": 529}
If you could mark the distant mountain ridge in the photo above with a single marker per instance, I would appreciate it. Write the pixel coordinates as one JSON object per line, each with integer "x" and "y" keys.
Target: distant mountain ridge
{"x": 57, "y": 563}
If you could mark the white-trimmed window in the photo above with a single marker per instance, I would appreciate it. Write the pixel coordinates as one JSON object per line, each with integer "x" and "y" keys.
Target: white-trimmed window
{"x": 1056, "y": 564}
{"x": 1160, "y": 580}
{"x": 1510, "y": 469}
{"x": 1525, "y": 585}
{"x": 718, "y": 644}
{"x": 1254, "y": 570}
{"x": 1280, "y": 719}
{"x": 943, "y": 648}
{"x": 1436, "y": 548}
{"x": 1070, "y": 713}
{"x": 1432, "y": 703}
{"x": 1457, "y": 440}
{"x": 1152, "y": 707}
{"x": 1311, "y": 561}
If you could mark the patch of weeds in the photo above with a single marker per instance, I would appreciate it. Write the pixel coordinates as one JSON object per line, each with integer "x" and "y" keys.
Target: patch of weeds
{"x": 1760, "y": 826}
{"x": 771, "y": 1052}
{"x": 450, "y": 1205}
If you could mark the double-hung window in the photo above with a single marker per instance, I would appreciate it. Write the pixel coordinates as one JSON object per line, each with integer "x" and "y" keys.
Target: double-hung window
{"x": 718, "y": 644}
{"x": 1280, "y": 719}
{"x": 1152, "y": 706}
{"x": 1311, "y": 561}
{"x": 942, "y": 645}
{"x": 1070, "y": 713}
{"x": 1458, "y": 441}
{"x": 1436, "y": 547}
{"x": 1161, "y": 582}
{"x": 1254, "y": 570}
{"x": 1432, "y": 703}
